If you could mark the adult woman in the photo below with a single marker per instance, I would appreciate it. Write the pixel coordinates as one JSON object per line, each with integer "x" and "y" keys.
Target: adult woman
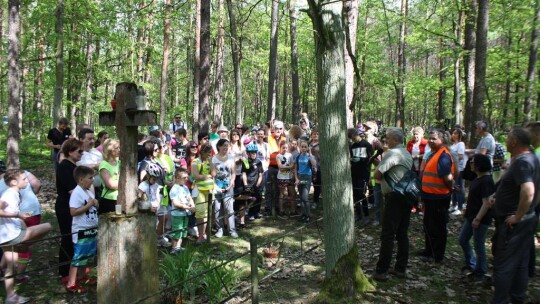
{"x": 223, "y": 165}
{"x": 65, "y": 183}
{"x": 417, "y": 147}
{"x": 109, "y": 171}
{"x": 102, "y": 137}
{"x": 458, "y": 147}
{"x": 203, "y": 175}
{"x": 238, "y": 152}
{"x": 317, "y": 180}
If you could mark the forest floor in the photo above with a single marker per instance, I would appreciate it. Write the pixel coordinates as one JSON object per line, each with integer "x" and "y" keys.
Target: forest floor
{"x": 292, "y": 279}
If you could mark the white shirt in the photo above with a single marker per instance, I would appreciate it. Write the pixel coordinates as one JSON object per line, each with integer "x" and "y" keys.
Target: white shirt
{"x": 10, "y": 226}
{"x": 89, "y": 219}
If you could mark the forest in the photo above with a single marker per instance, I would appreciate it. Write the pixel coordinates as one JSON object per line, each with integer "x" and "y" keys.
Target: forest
{"x": 408, "y": 62}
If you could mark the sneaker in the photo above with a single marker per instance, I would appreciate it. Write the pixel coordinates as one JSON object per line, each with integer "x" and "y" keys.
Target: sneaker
{"x": 452, "y": 209}
{"x": 307, "y": 219}
{"x": 75, "y": 288}
{"x": 398, "y": 274}
{"x": 193, "y": 232}
{"x": 219, "y": 233}
{"x": 22, "y": 279}
{"x": 17, "y": 299}
{"x": 234, "y": 235}
{"x": 177, "y": 250}
{"x": 456, "y": 212}
{"x": 162, "y": 242}
{"x": 314, "y": 206}
{"x": 467, "y": 270}
{"x": 381, "y": 277}
{"x": 201, "y": 240}
{"x": 251, "y": 218}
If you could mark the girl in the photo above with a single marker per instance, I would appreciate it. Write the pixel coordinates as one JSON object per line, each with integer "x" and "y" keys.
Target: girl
{"x": 284, "y": 177}
{"x": 314, "y": 150}
{"x": 304, "y": 168}
{"x": 223, "y": 165}
{"x": 458, "y": 147}
{"x": 203, "y": 175}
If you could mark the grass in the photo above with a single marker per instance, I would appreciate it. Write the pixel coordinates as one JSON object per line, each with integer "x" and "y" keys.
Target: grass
{"x": 32, "y": 152}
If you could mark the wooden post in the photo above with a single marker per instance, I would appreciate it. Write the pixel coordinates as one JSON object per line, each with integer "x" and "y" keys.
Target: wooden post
{"x": 128, "y": 267}
{"x": 254, "y": 271}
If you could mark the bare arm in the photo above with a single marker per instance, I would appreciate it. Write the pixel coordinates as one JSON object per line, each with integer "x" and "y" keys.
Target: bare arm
{"x": 526, "y": 195}
{"x": 35, "y": 183}
{"x": 109, "y": 182}
{"x": 483, "y": 210}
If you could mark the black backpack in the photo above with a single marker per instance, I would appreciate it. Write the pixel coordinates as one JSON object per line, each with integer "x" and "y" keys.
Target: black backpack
{"x": 408, "y": 186}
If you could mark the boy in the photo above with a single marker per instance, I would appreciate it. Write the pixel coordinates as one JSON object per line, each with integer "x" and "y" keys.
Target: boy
{"x": 252, "y": 176}
{"x": 13, "y": 230}
{"x": 182, "y": 205}
{"x": 83, "y": 207}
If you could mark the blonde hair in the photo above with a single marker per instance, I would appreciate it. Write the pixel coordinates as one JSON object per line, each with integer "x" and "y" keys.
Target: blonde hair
{"x": 417, "y": 130}
{"x": 108, "y": 147}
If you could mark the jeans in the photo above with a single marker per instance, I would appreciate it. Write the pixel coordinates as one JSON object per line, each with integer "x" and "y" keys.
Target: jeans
{"x": 225, "y": 202}
{"x": 271, "y": 191}
{"x": 65, "y": 251}
{"x": 359, "y": 195}
{"x": 303, "y": 189}
{"x": 478, "y": 263}
{"x": 396, "y": 216}
{"x": 459, "y": 196}
{"x": 436, "y": 232}
{"x": 511, "y": 250}
{"x": 317, "y": 182}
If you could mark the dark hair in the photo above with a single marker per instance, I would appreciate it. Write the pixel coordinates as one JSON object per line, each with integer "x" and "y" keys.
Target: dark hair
{"x": 534, "y": 127}
{"x": 81, "y": 172}
{"x": 100, "y": 135}
{"x": 11, "y": 175}
{"x": 482, "y": 163}
{"x": 63, "y": 121}
{"x": 156, "y": 133}
{"x": 439, "y": 132}
{"x": 181, "y": 132}
{"x": 83, "y": 132}
{"x": 71, "y": 144}
{"x": 221, "y": 142}
{"x": 148, "y": 148}
{"x": 521, "y": 135}
{"x": 205, "y": 148}
{"x": 140, "y": 136}
{"x": 460, "y": 133}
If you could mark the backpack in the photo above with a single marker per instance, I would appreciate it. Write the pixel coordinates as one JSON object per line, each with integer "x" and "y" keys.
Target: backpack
{"x": 408, "y": 185}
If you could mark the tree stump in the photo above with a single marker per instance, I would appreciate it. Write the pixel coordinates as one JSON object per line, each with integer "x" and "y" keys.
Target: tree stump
{"x": 128, "y": 267}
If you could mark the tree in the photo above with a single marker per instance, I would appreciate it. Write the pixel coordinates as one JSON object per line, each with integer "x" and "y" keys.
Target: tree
{"x": 295, "y": 82}
{"x": 272, "y": 68}
{"x": 218, "y": 86}
{"x": 59, "y": 86}
{"x": 195, "y": 126}
{"x": 400, "y": 86}
{"x": 344, "y": 276}
{"x": 479, "y": 94}
{"x": 531, "y": 70}
{"x": 14, "y": 101}
{"x": 204, "y": 81}
{"x": 468, "y": 62}
{"x": 350, "y": 16}
{"x": 165, "y": 62}
{"x": 235, "y": 47}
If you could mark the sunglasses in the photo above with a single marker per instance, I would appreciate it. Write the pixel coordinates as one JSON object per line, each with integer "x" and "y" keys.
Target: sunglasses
{"x": 178, "y": 117}
{"x": 80, "y": 151}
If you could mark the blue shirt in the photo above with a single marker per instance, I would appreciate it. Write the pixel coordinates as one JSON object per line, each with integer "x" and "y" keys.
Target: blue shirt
{"x": 303, "y": 164}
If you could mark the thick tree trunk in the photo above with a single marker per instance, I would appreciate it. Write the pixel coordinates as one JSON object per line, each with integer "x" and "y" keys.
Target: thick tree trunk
{"x": 295, "y": 82}
{"x": 165, "y": 63}
{"x": 218, "y": 86}
{"x": 235, "y": 47}
{"x": 400, "y": 90}
{"x": 14, "y": 107}
{"x": 479, "y": 95}
{"x": 204, "y": 85}
{"x": 531, "y": 70}
{"x": 362, "y": 83}
{"x": 59, "y": 85}
{"x": 469, "y": 63}
{"x": 196, "y": 69}
{"x": 272, "y": 67}
{"x": 341, "y": 260}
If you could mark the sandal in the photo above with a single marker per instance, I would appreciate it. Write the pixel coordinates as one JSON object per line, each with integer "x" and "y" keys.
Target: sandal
{"x": 86, "y": 280}
{"x": 75, "y": 288}
{"x": 17, "y": 299}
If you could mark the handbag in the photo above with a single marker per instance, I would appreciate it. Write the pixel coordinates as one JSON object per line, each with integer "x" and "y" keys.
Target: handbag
{"x": 408, "y": 185}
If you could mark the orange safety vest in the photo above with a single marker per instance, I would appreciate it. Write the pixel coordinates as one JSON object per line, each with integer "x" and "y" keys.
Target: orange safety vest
{"x": 273, "y": 159}
{"x": 431, "y": 182}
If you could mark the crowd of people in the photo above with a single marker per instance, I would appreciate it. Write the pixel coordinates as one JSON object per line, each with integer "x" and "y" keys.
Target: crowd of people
{"x": 248, "y": 173}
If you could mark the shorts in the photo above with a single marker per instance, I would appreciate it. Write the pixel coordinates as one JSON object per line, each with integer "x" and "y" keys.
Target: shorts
{"x": 179, "y": 227}
{"x": 201, "y": 204}
{"x": 16, "y": 241}
{"x": 163, "y": 210}
{"x": 284, "y": 183}
{"x": 83, "y": 250}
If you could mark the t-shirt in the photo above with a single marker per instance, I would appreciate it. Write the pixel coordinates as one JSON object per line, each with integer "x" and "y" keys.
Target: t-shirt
{"x": 90, "y": 158}
{"x": 58, "y": 137}
{"x": 65, "y": 182}
{"x": 395, "y": 163}
{"x": 524, "y": 168}
{"x": 11, "y": 227}
{"x": 87, "y": 220}
{"x": 285, "y": 160}
{"x": 173, "y": 126}
{"x": 29, "y": 200}
{"x": 181, "y": 193}
{"x": 153, "y": 192}
{"x": 487, "y": 142}
{"x": 179, "y": 150}
{"x": 263, "y": 152}
{"x": 303, "y": 164}
{"x": 459, "y": 149}
{"x": 224, "y": 172}
{"x": 360, "y": 153}
{"x": 499, "y": 155}
{"x": 252, "y": 173}
{"x": 237, "y": 152}
{"x": 481, "y": 187}
{"x": 114, "y": 171}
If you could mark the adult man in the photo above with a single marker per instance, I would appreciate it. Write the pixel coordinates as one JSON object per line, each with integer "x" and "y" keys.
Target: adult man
{"x": 178, "y": 123}
{"x": 534, "y": 128}
{"x": 179, "y": 149}
{"x": 486, "y": 145}
{"x": 437, "y": 185}
{"x": 396, "y": 213}
{"x": 223, "y": 133}
{"x": 56, "y": 138}
{"x": 270, "y": 187}
{"x": 515, "y": 220}
{"x": 91, "y": 157}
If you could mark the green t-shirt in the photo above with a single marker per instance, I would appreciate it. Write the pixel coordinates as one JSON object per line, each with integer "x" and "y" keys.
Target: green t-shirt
{"x": 114, "y": 171}
{"x": 213, "y": 136}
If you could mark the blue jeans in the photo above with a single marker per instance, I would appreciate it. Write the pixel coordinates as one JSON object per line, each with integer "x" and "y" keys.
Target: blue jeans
{"x": 459, "y": 196}
{"x": 478, "y": 263}
{"x": 304, "y": 192}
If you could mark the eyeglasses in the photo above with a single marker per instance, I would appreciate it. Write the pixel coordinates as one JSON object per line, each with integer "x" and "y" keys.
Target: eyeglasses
{"x": 156, "y": 150}
{"x": 279, "y": 128}
{"x": 205, "y": 138}
{"x": 193, "y": 147}
{"x": 178, "y": 117}
{"x": 80, "y": 151}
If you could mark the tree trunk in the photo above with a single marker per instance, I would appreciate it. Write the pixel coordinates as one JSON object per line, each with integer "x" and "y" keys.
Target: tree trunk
{"x": 196, "y": 70}
{"x": 235, "y": 47}
{"x": 480, "y": 63}
{"x": 218, "y": 86}
{"x": 441, "y": 94}
{"x": 362, "y": 82}
{"x": 38, "y": 83}
{"x": 458, "y": 112}
{"x": 400, "y": 90}
{"x": 469, "y": 63}
{"x": 531, "y": 70}
{"x": 343, "y": 273}
{"x": 165, "y": 63}
{"x": 350, "y": 16}
{"x": 14, "y": 131}
{"x": 204, "y": 82}
{"x": 295, "y": 82}
{"x": 272, "y": 67}
{"x": 59, "y": 86}
{"x": 285, "y": 82}
{"x": 89, "y": 63}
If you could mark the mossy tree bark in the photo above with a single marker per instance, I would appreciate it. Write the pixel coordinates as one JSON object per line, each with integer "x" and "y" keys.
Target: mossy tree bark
{"x": 342, "y": 264}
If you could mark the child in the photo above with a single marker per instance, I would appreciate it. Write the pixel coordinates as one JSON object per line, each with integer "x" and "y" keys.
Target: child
{"x": 151, "y": 192}
{"x": 182, "y": 205}
{"x": 252, "y": 176}
{"x": 203, "y": 176}
{"x": 304, "y": 168}
{"x": 360, "y": 152}
{"x": 84, "y": 209}
{"x": 284, "y": 178}
{"x": 14, "y": 231}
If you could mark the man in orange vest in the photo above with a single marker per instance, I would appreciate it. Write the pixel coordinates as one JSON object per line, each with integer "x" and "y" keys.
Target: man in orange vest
{"x": 271, "y": 190}
{"x": 437, "y": 187}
